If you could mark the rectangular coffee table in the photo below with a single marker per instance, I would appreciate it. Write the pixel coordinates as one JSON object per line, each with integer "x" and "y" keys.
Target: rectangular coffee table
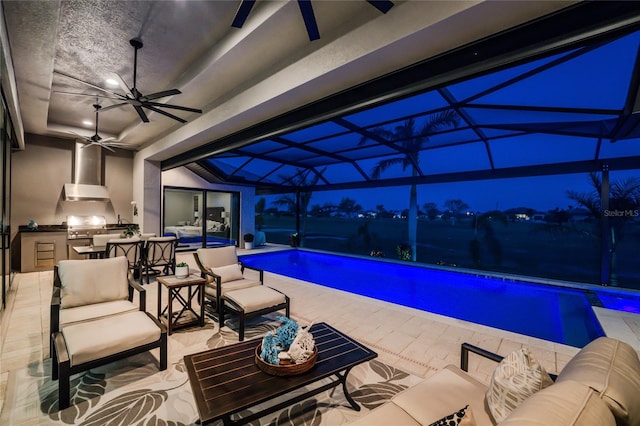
{"x": 226, "y": 380}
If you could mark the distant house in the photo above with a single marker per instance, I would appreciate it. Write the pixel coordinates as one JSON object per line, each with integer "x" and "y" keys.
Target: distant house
{"x": 519, "y": 214}
{"x": 580, "y": 215}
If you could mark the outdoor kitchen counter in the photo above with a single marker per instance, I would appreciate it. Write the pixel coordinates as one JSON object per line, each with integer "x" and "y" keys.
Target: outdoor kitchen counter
{"x": 40, "y": 249}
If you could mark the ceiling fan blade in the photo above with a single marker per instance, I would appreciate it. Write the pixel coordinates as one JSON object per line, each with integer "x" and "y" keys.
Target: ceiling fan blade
{"x": 182, "y": 108}
{"x": 382, "y": 5}
{"x": 106, "y": 147}
{"x": 309, "y": 19}
{"x": 141, "y": 113}
{"x": 123, "y": 84}
{"x": 159, "y": 111}
{"x": 89, "y": 84}
{"x": 107, "y": 140}
{"x": 160, "y": 95}
{"x": 242, "y": 13}
{"x": 103, "y": 109}
{"x": 93, "y": 95}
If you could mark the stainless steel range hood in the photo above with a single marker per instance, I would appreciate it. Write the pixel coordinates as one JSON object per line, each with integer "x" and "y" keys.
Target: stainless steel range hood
{"x": 87, "y": 175}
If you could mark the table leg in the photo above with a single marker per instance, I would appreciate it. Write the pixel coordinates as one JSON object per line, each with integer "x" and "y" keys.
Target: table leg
{"x": 170, "y": 312}
{"x": 201, "y": 302}
{"x": 343, "y": 379}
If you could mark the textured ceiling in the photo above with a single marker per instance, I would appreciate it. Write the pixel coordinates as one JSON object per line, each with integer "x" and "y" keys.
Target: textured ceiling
{"x": 188, "y": 45}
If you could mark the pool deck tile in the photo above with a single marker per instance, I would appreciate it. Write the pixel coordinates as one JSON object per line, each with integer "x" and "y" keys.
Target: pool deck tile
{"x": 416, "y": 341}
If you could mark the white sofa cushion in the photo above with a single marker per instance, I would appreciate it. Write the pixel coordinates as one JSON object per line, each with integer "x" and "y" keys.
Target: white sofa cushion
{"x": 568, "y": 404}
{"x": 518, "y": 376}
{"x": 443, "y": 393}
{"x": 91, "y": 340}
{"x": 91, "y": 281}
{"x": 385, "y": 415}
{"x": 612, "y": 368}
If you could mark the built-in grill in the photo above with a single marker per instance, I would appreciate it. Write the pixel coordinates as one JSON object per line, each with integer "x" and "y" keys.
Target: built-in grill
{"x": 85, "y": 227}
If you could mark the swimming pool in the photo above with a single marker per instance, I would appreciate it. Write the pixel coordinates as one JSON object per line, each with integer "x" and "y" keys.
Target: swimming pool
{"x": 561, "y": 315}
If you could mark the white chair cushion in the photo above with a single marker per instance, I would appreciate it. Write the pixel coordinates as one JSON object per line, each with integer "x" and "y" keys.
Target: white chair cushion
{"x": 228, "y": 273}
{"x": 102, "y": 239}
{"x": 210, "y": 289}
{"x": 219, "y": 256}
{"x": 88, "y": 312}
{"x": 88, "y": 341}
{"x": 91, "y": 281}
{"x": 255, "y": 298}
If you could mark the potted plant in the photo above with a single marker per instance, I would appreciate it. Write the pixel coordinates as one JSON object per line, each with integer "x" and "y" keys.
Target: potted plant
{"x": 182, "y": 270}
{"x": 131, "y": 231}
{"x": 248, "y": 240}
{"x": 294, "y": 240}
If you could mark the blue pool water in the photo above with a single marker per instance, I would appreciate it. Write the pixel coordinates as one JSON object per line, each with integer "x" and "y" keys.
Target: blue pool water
{"x": 557, "y": 314}
{"x": 626, "y": 303}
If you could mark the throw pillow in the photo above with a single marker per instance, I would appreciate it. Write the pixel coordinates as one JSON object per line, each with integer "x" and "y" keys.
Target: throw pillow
{"x": 228, "y": 273}
{"x": 462, "y": 417}
{"x": 518, "y": 376}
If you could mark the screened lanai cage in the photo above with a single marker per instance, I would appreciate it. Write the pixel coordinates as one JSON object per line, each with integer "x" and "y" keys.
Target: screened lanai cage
{"x": 519, "y": 154}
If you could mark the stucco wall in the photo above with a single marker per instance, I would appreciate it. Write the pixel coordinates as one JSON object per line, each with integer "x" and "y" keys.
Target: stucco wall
{"x": 39, "y": 172}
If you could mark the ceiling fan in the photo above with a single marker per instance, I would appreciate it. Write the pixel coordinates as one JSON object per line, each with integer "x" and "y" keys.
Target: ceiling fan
{"x": 97, "y": 140}
{"x": 133, "y": 96}
{"x": 306, "y": 10}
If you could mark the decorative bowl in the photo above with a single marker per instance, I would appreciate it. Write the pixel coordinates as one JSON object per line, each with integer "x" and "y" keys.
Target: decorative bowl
{"x": 285, "y": 368}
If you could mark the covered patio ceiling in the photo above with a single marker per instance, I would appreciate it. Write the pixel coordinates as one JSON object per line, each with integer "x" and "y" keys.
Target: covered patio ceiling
{"x": 559, "y": 95}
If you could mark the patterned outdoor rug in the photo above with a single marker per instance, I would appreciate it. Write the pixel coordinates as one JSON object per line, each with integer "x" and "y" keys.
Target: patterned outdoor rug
{"x": 134, "y": 392}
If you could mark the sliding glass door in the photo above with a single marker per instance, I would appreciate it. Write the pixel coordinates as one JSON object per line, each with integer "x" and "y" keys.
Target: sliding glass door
{"x": 6, "y": 139}
{"x": 201, "y": 218}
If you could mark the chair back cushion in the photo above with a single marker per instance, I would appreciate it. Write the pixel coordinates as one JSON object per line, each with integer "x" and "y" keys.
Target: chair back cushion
{"x": 85, "y": 282}
{"x": 568, "y": 404}
{"x": 612, "y": 368}
{"x": 218, "y": 256}
{"x": 228, "y": 273}
{"x": 101, "y": 239}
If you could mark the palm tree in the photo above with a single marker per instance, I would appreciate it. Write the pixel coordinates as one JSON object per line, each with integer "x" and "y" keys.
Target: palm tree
{"x": 624, "y": 202}
{"x": 411, "y": 141}
{"x": 300, "y": 179}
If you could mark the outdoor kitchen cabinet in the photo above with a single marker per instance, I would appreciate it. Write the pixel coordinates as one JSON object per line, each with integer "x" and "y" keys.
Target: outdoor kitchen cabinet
{"x": 41, "y": 250}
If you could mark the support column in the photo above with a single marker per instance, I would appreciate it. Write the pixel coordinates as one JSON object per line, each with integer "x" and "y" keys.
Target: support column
{"x": 605, "y": 231}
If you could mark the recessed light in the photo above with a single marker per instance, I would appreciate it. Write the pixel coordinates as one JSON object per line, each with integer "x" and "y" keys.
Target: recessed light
{"x": 87, "y": 122}
{"x": 111, "y": 82}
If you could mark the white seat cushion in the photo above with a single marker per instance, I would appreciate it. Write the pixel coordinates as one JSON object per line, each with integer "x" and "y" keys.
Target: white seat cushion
{"x": 91, "y": 340}
{"x": 443, "y": 393}
{"x": 255, "y": 298}
{"x": 385, "y": 415}
{"x": 210, "y": 289}
{"x": 91, "y": 281}
{"x": 95, "y": 311}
